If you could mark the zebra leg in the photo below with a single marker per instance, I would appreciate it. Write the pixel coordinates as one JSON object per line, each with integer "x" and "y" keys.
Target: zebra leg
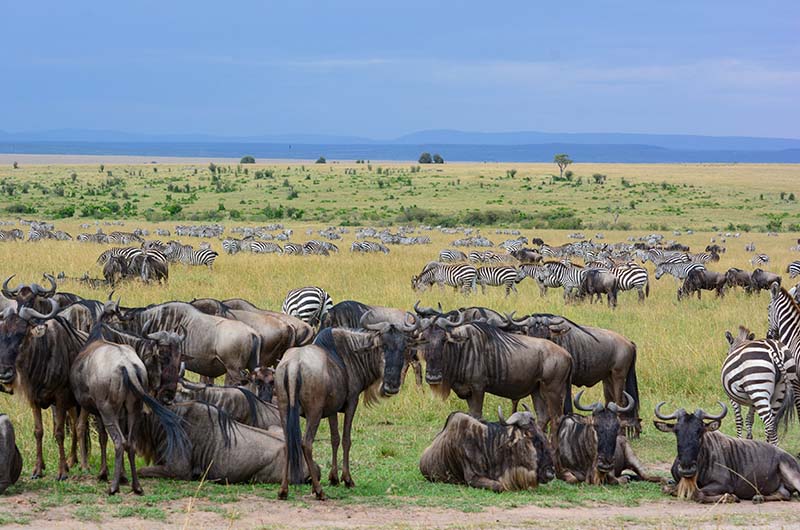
{"x": 737, "y": 411}
{"x": 771, "y": 430}
{"x": 751, "y": 417}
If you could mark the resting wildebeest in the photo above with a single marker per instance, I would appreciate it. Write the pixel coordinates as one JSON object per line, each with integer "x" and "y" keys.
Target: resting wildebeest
{"x": 599, "y": 355}
{"x": 761, "y": 279}
{"x": 703, "y": 279}
{"x": 10, "y": 458}
{"x": 473, "y": 359}
{"x": 593, "y": 450}
{"x": 738, "y": 278}
{"x": 599, "y": 282}
{"x": 111, "y": 381}
{"x": 326, "y": 378}
{"x": 219, "y": 448}
{"x": 713, "y": 467}
{"x": 216, "y": 346}
{"x": 238, "y": 402}
{"x": 499, "y": 456}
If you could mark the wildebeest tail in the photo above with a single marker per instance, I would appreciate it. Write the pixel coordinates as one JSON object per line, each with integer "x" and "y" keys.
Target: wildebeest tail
{"x": 632, "y": 386}
{"x": 252, "y": 403}
{"x": 176, "y": 440}
{"x": 294, "y": 448}
{"x": 254, "y": 360}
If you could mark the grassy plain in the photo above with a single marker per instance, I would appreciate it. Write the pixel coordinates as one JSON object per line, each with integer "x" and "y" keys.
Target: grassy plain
{"x": 681, "y": 345}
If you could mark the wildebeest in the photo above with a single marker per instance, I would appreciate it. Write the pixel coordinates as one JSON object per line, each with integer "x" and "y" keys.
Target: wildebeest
{"x": 148, "y": 267}
{"x": 10, "y": 457}
{"x": 326, "y": 378}
{"x": 599, "y": 355}
{"x": 303, "y": 332}
{"x": 238, "y": 402}
{"x": 216, "y": 346}
{"x": 262, "y": 383}
{"x": 499, "y": 456}
{"x": 599, "y": 282}
{"x": 703, "y": 279}
{"x": 110, "y": 381}
{"x": 527, "y": 255}
{"x": 716, "y": 249}
{"x": 738, "y": 278}
{"x": 115, "y": 269}
{"x": 473, "y": 359}
{"x": 219, "y": 448}
{"x": 761, "y": 280}
{"x": 712, "y": 467}
{"x": 593, "y": 450}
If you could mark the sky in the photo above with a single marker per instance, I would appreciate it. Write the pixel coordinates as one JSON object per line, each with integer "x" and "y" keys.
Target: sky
{"x": 381, "y": 69}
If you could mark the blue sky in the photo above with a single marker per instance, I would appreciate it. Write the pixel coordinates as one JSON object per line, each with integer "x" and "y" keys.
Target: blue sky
{"x": 382, "y": 69}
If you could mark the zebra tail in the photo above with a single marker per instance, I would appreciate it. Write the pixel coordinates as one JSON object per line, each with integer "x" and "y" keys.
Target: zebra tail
{"x": 786, "y": 413}
{"x": 647, "y": 289}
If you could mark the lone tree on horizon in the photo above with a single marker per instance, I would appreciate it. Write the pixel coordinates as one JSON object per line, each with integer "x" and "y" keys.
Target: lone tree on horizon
{"x": 562, "y": 160}
{"x": 437, "y": 159}
{"x": 247, "y": 159}
{"x": 425, "y": 158}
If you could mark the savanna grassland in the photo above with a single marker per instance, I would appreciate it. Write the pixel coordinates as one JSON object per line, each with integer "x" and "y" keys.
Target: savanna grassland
{"x": 681, "y": 345}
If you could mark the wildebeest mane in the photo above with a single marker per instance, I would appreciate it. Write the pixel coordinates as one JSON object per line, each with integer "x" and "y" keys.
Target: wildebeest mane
{"x": 347, "y": 314}
{"x": 325, "y": 340}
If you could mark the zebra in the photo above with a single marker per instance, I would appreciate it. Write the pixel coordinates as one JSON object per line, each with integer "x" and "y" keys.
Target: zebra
{"x": 756, "y": 373}
{"x": 368, "y": 246}
{"x": 632, "y": 276}
{"x": 793, "y": 269}
{"x": 309, "y": 304}
{"x": 507, "y": 276}
{"x": 558, "y": 274}
{"x": 462, "y": 276}
{"x": 11, "y": 235}
{"x": 531, "y": 271}
{"x": 750, "y": 247}
{"x": 658, "y": 256}
{"x": 704, "y": 257}
{"x": 38, "y": 234}
{"x": 294, "y": 248}
{"x": 124, "y": 238}
{"x": 203, "y": 256}
{"x": 449, "y": 255}
{"x": 679, "y": 270}
{"x": 759, "y": 259}
{"x": 263, "y": 247}
{"x": 319, "y": 247}
{"x": 126, "y": 253}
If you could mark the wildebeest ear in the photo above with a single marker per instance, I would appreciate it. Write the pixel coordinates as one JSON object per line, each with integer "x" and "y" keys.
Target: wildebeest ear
{"x": 729, "y": 337}
{"x": 713, "y": 425}
{"x": 39, "y": 331}
{"x": 664, "y": 427}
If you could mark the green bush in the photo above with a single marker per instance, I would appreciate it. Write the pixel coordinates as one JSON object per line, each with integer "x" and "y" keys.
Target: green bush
{"x": 247, "y": 159}
{"x": 64, "y": 213}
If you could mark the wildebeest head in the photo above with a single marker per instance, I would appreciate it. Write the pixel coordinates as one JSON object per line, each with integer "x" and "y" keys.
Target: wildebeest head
{"x": 166, "y": 361}
{"x": 395, "y": 343}
{"x": 605, "y": 422}
{"x": 689, "y": 430}
{"x": 437, "y": 334}
{"x": 263, "y": 380}
{"x": 16, "y": 326}
{"x": 26, "y": 295}
{"x": 525, "y": 424}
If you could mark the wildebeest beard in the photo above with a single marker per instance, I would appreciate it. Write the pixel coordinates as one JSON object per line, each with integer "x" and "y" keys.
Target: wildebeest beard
{"x": 686, "y": 487}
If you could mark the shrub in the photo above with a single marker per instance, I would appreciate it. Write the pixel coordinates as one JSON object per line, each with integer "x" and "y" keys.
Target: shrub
{"x": 437, "y": 159}
{"x": 247, "y": 159}
{"x": 65, "y": 212}
{"x": 425, "y": 158}
{"x": 321, "y": 160}
{"x": 20, "y": 208}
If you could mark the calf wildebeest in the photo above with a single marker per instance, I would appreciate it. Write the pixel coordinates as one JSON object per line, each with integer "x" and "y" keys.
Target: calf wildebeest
{"x": 326, "y": 378}
{"x": 36, "y": 354}
{"x": 262, "y": 383}
{"x": 593, "y": 450}
{"x": 219, "y": 448}
{"x": 238, "y": 402}
{"x": 216, "y": 346}
{"x": 10, "y": 458}
{"x": 111, "y": 381}
{"x": 703, "y": 279}
{"x": 599, "y": 282}
{"x": 761, "y": 280}
{"x": 599, "y": 355}
{"x": 473, "y": 359}
{"x": 713, "y": 467}
{"x": 738, "y": 278}
{"x": 499, "y": 456}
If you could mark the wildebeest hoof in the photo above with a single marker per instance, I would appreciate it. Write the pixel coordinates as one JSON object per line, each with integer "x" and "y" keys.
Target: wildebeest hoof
{"x": 282, "y": 495}
{"x": 333, "y": 480}
{"x": 624, "y": 479}
{"x": 321, "y": 496}
{"x": 62, "y": 476}
{"x": 113, "y": 491}
{"x": 36, "y": 475}
{"x": 138, "y": 491}
{"x": 758, "y": 499}
{"x": 103, "y": 477}
{"x": 348, "y": 483}
{"x": 729, "y": 498}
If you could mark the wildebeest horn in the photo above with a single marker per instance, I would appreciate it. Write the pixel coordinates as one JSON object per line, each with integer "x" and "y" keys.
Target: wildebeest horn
{"x": 424, "y": 310}
{"x": 11, "y": 294}
{"x": 26, "y": 312}
{"x": 510, "y": 319}
{"x": 518, "y": 418}
{"x": 703, "y": 415}
{"x": 443, "y": 322}
{"x": 53, "y": 285}
{"x": 613, "y": 407}
{"x": 672, "y": 416}
{"x": 500, "y": 414}
{"x": 41, "y": 291}
{"x": 525, "y": 406}
{"x": 594, "y": 407}
{"x": 492, "y": 320}
{"x": 413, "y": 327}
{"x": 377, "y": 326}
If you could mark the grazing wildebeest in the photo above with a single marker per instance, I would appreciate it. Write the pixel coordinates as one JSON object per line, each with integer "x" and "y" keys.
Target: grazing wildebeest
{"x": 703, "y": 279}
{"x": 473, "y": 359}
{"x": 216, "y": 346}
{"x": 219, "y": 448}
{"x": 599, "y": 355}
{"x": 36, "y": 354}
{"x": 238, "y": 402}
{"x": 262, "y": 383}
{"x": 738, "y": 278}
{"x": 716, "y": 249}
{"x": 148, "y": 268}
{"x": 500, "y": 456}
{"x": 326, "y": 378}
{"x": 761, "y": 280}
{"x": 712, "y": 467}
{"x": 593, "y": 450}
{"x": 599, "y": 282}
{"x": 527, "y": 255}
{"x": 111, "y": 381}
{"x": 10, "y": 458}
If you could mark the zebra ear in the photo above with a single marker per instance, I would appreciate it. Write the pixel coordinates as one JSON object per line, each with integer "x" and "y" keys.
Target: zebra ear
{"x": 729, "y": 337}
{"x": 775, "y": 288}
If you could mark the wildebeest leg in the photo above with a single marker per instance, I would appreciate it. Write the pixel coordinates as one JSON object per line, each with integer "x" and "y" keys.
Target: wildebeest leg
{"x": 312, "y": 424}
{"x": 59, "y": 420}
{"x": 715, "y": 493}
{"x": 514, "y": 405}
{"x": 333, "y": 476}
{"x": 82, "y": 427}
{"x": 475, "y": 402}
{"x": 481, "y": 482}
{"x": 102, "y": 437}
{"x": 540, "y": 407}
{"x": 115, "y": 433}
{"x": 38, "y": 433}
{"x": 632, "y": 462}
{"x": 349, "y": 414}
{"x": 73, "y": 451}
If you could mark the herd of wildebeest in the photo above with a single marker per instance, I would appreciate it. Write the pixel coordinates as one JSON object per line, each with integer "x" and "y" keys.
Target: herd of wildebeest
{"x": 122, "y": 370}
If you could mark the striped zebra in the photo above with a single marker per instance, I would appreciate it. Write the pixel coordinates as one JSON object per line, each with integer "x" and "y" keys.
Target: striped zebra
{"x": 559, "y": 274}
{"x": 368, "y": 247}
{"x": 124, "y": 238}
{"x": 39, "y": 234}
{"x": 755, "y": 374}
{"x": 232, "y": 246}
{"x": 679, "y": 270}
{"x": 309, "y": 304}
{"x": 632, "y": 276}
{"x": 264, "y": 247}
{"x": 203, "y": 256}
{"x": 658, "y": 256}
{"x": 495, "y": 276}
{"x": 793, "y": 269}
{"x": 11, "y": 235}
{"x": 318, "y": 248}
{"x": 459, "y": 276}
{"x": 759, "y": 259}
{"x": 126, "y": 253}
{"x": 450, "y": 255}
{"x": 532, "y": 271}
{"x": 294, "y": 249}
{"x": 704, "y": 257}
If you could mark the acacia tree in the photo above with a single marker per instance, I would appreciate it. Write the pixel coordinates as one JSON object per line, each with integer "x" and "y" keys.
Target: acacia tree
{"x": 425, "y": 158}
{"x": 562, "y": 160}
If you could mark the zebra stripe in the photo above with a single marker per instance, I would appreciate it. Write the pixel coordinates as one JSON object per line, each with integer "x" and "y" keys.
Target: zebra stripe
{"x": 793, "y": 269}
{"x": 759, "y": 259}
{"x": 126, "y": 253}
{"x": 309, "y": 304}
{"x": 462, "y": 276}
{"x": 631, "y": 277}
{"x": 678, "y": 270}
{"x": 368, "y": 246}
{"x": 264, "y": 247}
{"x": 496, "y": 276}
{"x": 449, "y": 255}
{"x": 559, "y": 274}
